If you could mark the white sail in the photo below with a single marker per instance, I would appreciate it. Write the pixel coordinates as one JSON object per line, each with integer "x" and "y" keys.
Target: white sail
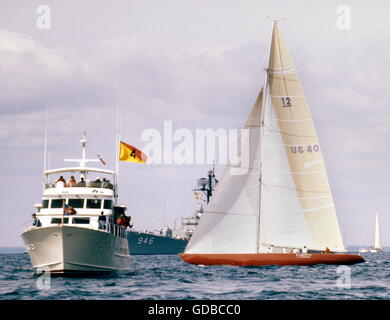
{"x": 230, "y": 222}
{"x": 297, "y": 207}
{"x": 377, "y": 243}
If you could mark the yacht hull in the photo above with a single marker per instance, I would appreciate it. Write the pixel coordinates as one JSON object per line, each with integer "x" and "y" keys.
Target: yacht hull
{"x": 69, "y": 249}
{"x": 263, "y": 259}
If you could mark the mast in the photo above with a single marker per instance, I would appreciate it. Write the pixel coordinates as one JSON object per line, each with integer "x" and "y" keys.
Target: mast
{"x": 48, "y": 165}
{"x": 117, "y": 147}
{"x": 117, "y": 140}
{"x": 45, "y": 139}
{"x": 45, "y": 142}
{"x": 83, "y": 159}
{"x": 264, "y": 107}
{"x": 83, "y": 148}
{"x": 207, "y": 185}
{"x": 377, "y": 244}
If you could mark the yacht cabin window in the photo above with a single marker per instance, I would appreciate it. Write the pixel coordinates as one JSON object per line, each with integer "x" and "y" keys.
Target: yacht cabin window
{"x": 45, "y": 203}
{"x": 107, "y": 204}
{"x": 76, "y": 203}
{"x": 80, "y": 221}
{"x": 59, "y": 220}
{"x": 57, "y": 203}
{"x": 94, "y": 203}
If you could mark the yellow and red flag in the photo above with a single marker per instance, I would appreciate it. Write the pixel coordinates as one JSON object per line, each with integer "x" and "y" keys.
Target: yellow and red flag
{"x": 131, "y": 154}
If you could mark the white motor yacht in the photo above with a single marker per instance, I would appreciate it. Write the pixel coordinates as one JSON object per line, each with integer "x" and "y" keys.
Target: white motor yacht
{"x": 75, "y": 227}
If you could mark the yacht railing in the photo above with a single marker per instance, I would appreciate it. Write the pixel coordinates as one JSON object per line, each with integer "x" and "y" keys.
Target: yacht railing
{"x": 88, "y": 184}
{"x": 114, "y": 229}
{"x": 28, "y": 225}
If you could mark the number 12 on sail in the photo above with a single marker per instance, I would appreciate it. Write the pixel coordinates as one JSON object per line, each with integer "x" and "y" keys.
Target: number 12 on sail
{"x": 286, "y": 102}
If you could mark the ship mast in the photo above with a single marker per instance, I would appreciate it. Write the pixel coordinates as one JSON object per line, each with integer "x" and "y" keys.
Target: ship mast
{"x": 45, "y": 139}
{"x": 263, "y": 109}
{"x": 207, "y": 185}
{"x": 83, "y": 159}
{"x": 45, "y": 143}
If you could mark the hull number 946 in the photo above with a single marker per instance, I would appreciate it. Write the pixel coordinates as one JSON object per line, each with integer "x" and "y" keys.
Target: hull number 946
{"x": 145, "y": 240}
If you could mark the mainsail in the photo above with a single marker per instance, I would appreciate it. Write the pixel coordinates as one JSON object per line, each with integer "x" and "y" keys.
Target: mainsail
{"x": 296, "y": 198}
{"x": 284, "y": 199}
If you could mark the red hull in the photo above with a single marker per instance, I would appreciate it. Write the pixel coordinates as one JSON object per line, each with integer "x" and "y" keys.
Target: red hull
{"x": 263, "y": 259}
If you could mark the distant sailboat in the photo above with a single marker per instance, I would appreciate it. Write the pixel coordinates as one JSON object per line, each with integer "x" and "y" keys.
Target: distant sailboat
{"x": 281, "y": 211}
{"x": 377, "y": 243}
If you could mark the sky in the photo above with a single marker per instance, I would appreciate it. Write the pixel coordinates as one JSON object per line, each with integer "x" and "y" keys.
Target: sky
{"x": 198, "y": 64}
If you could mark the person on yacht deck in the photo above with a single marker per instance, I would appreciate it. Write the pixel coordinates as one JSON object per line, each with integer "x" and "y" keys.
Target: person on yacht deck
{"x": 36, "y": 221}
{"x": 72, "y": 182}
{"x": 105, "y": 183}
{"x": 60, "y": 182}
{"x": 102, "y": 221}
{"x": 81, "y": 183}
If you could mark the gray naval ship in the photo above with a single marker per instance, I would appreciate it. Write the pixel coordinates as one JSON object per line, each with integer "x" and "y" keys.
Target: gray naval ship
{"x": 172, "y": 241}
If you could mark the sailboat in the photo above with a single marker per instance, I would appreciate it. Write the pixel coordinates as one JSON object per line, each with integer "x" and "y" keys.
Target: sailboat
{"x": 377, "y": 243}
{"x": 363, "y": 250}
{"x": 281, "y": 211}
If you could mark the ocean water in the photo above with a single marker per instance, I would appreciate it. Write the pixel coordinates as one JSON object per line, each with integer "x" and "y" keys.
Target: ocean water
{"x": 167, "y": 277}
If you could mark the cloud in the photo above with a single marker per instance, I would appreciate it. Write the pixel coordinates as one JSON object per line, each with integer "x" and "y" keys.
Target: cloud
{"x": 32, "y": 74}
{"x": 141, "y": 73}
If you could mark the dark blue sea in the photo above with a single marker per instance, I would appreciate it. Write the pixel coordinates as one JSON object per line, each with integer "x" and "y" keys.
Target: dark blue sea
{"x": 167, "y": 277}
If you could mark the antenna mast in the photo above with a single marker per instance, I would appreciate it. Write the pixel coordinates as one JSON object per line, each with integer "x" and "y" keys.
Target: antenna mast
{"x": 45, "y": 139}
{"x": 83, "y": 159}
{"x": 118, "y": 138}
{"x": 117, "y": 144}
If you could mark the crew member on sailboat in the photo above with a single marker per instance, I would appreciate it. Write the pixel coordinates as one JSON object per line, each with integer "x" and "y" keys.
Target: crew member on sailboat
{"x": 284, "y": 201}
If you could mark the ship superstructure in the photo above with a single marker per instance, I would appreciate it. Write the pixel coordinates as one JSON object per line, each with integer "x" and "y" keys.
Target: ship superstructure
{"x": 173, "y": 241}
